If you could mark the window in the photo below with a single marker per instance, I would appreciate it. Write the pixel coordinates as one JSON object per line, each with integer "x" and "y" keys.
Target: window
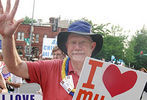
{"x": 20, "y": 50}
{"x": 45, "y": 36}
{"x": 20, "y": 36}
{"x": 37, "y": 38}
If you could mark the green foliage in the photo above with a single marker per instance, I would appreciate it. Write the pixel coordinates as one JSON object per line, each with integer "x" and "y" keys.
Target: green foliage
{"x": 28, "y": 20}
{"x": 130, "y": 53}
{"x": 99, "y": 29}
{"x": 135, "y": 46}
{"x": 141, "y": 45}
{"x": 112, "y": 45}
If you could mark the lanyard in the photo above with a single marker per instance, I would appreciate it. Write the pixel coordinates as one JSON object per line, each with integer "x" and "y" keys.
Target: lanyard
{"x": 64, "y": 71}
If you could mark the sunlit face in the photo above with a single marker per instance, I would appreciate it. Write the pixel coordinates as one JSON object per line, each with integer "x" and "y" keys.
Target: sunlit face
{"x": 58, "y": 54}
{"x": 79, "y": 47}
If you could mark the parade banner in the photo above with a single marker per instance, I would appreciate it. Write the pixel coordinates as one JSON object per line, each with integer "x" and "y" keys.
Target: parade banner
{"x": 22, "y": 96}
{"x": 48, "y": 45}
{"x": 106, "y": 81}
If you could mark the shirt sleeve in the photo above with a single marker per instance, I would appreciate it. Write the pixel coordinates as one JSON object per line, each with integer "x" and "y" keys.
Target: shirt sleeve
{"x": 41, "y": 71}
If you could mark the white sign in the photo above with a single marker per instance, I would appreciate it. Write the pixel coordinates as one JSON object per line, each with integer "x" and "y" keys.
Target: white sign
{"x": 106, "y": 81}
{"x": 22, "y": 96}
{"x": 48, "y": 45}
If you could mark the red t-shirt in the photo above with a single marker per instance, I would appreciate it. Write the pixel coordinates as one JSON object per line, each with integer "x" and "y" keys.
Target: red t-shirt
{"x": 47, "y": 73}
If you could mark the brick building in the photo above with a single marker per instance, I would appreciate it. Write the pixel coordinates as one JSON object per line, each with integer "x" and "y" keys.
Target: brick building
{"x": 22, "y": 36}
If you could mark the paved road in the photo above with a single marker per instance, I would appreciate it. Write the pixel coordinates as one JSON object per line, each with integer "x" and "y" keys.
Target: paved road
{"x": 29, "y": 88}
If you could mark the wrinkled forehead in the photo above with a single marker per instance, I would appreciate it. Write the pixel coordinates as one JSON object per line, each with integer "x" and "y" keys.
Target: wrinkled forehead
{"x": 78, "y": 36}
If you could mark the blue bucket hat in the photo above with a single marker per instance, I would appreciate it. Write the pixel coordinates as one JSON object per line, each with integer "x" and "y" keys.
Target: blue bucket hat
{"x": 81, "y": 28}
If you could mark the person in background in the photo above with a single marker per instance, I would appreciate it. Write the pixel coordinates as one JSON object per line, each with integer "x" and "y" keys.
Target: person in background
{"x": 77, "y": 43}
{"x": 3, "y": 88}
{"x": 7, "y": 76}
{"x": 57, "y": 53}
{"x": 143, "y": 69}
{"x": 15, "y": 82}
{"x": 2, "y": 64}
{"x": 145, "y": 88}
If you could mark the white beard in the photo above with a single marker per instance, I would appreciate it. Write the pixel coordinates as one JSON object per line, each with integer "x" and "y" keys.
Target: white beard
{"x": 78, "y": 56}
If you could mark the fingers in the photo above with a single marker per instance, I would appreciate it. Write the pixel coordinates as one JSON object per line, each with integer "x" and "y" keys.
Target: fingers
{"x": 2, "y": 17}
{"x": 14, "y": 9}
{"x": 1, "y": 7}
{"x": 8, "y": 6}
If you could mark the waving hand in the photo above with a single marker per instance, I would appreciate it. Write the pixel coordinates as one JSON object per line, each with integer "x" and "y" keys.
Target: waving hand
{"x": 7, "y": 23}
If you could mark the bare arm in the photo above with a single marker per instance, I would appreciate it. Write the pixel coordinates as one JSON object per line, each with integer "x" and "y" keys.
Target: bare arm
{"x": 8, "y": 27}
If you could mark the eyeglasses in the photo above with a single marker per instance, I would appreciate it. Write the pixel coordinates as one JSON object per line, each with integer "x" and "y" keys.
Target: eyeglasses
{"x": 57, "y": 54}
{"x": 80, "y": 43}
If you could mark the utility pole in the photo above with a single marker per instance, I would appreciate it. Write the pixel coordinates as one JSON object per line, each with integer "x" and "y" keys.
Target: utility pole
{"x": 31, "y": 31}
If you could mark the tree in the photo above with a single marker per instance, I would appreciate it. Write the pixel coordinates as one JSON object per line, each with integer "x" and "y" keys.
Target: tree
{"x": 99, "y": 29}
{"x": 130, "y": 53}
{"x": 141, "y": 45}
{"x": 135, "y": 53}
{"x": 112, "y": 45}
{"x": 28, "y": 20}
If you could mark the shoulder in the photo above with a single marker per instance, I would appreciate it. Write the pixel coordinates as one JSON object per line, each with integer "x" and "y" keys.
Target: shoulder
{"x": 45, "y": 64}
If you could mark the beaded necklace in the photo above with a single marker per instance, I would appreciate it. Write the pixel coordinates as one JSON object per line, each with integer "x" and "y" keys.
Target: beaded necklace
{"x": 64, "y": 71}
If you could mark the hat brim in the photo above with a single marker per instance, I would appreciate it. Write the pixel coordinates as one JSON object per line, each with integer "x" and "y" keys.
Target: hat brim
{"x": 62, "y": 39}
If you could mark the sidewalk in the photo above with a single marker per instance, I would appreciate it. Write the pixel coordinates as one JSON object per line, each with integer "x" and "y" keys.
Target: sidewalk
{"x": 29, "y": 88}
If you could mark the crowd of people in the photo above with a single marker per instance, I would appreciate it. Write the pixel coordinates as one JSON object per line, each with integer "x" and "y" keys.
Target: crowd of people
{"x": 12, "y": 81}
{"x": 77, "y": 43}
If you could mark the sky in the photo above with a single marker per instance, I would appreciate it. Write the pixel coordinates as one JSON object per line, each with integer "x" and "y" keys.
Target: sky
{"x": 129, "y": 14}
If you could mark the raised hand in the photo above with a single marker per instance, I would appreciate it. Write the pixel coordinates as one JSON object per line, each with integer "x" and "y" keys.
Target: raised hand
{"x": 7, "y": 23}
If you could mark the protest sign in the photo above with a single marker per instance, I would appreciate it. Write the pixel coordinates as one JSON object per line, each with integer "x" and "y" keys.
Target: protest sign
{"x": 20, "y": 96}
{"x": 106, "y": 81}
{"x": 48, "y": 45}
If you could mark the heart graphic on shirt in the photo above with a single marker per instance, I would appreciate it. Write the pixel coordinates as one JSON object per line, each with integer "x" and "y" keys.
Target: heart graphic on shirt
{"x": 117, "y": 83}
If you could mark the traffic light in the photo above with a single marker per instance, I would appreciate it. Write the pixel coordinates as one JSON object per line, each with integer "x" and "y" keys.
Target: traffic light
{"x": 55, "y": 25}
{"x": 141, "y": 52}
{"x": 33, "y": 38}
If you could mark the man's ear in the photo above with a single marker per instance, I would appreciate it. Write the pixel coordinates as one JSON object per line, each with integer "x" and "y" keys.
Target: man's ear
{"x": 93, "y": 45}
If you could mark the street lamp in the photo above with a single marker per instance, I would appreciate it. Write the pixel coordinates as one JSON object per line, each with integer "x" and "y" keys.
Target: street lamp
{"x": 31, "y": 30}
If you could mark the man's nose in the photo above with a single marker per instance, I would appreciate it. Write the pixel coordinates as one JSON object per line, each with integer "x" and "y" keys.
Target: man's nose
{"x": 77, "y": 46}
{"x": 54, "y": 56}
